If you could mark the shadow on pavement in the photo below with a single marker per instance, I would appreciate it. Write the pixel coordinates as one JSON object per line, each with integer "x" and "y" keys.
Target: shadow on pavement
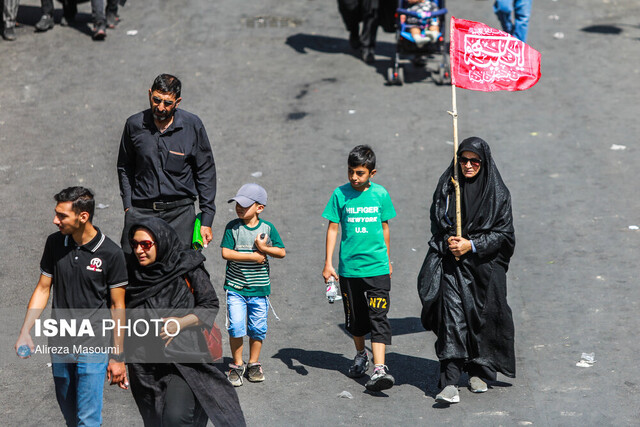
{"x": 301, "y": 42}
{"x": 325, "y": 44}
{"x": 602, "y": 29}
{"x": 416, "y": 371}
{"x": 313, "y": 358}
{"x": 609, "y": 29}
{"x": 410, "y": 370}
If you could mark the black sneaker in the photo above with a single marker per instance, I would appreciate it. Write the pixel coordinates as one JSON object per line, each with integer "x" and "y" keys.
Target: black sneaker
{"x": 360, "y": 365}
{"x": 112, "y": 20}
{"x": 45, "y": 23}
{"x": 367, "y": 55}
{"x": 380, "y": 380}
{"x": 9, "y": 34}
{"x": 99, "y": 31}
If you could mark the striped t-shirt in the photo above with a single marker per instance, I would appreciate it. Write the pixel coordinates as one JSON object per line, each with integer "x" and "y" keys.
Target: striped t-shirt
{"x": 245, "y": 277}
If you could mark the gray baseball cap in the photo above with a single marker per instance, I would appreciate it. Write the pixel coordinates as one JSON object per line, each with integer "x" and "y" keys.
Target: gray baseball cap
{"x": 249, "y": 194}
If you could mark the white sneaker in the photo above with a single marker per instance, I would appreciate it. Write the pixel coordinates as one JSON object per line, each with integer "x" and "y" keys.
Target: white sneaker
{"x": 476, "y": 385}
{"x": 380, "y": 380}
{"x": 449, "y": 394}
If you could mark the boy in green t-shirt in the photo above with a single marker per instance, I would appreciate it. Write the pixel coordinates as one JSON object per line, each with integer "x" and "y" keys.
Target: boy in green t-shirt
{"x": 362, "y": 209}
{"x": 245, "y": 245}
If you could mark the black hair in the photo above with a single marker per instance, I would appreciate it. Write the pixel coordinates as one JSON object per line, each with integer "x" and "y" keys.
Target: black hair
{"x": 362, "y": 155}
{"x": 166, "y": 83}
{"x": 81, "y": 198}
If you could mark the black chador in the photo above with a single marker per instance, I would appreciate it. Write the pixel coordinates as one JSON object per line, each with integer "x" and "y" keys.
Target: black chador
{"x": 465, "y": 301}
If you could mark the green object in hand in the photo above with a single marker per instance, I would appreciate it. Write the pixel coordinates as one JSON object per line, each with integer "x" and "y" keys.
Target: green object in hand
{"x": 197, "y": 242}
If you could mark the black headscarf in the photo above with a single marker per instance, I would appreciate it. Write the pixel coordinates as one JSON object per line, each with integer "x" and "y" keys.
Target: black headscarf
{"x": 150, "y": 285}
{"x": 482, "y": 196}
{"x": 160, "y": 290}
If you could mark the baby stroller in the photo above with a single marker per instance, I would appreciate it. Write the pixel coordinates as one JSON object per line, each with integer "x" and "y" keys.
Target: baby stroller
{"x": 428, "y": 44}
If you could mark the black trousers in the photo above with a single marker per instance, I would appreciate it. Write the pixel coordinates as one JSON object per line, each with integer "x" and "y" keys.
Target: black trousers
{"x": 366, "y": 11}
{"x": 163, "y": 397}
{"x": 181, "y": 219}
{"x": 451, "y": 370}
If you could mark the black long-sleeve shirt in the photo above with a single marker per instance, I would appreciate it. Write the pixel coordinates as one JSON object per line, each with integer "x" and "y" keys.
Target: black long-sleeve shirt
{"x": 178, "y": 163}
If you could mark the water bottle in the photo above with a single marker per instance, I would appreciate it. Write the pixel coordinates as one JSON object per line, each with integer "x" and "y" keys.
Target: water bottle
{"x": 24, "y": 351}
{"x": 332, "y": 290}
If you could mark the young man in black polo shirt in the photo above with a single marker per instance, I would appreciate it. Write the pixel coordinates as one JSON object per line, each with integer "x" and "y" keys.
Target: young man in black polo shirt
{"x": 87, "y": 272}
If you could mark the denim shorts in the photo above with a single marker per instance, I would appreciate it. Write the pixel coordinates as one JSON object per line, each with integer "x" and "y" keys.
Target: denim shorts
{"x": 247, "y": 316}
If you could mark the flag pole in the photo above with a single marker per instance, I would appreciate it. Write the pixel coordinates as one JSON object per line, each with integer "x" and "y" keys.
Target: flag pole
{"x": 454, "y": 179}
{"x": 454, "y": 114}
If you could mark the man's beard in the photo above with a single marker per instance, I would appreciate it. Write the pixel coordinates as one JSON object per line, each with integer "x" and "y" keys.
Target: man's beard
{"x": 163, "y": 117}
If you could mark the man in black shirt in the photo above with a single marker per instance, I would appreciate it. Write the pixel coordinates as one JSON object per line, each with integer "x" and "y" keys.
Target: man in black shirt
{"x": 88, "y": 275}
{"x": 165, "y": 162}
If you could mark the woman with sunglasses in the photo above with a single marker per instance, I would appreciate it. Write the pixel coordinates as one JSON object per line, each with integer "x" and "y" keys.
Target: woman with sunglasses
{"x": 179, "y": 387}
{"x": 463, "y": 283}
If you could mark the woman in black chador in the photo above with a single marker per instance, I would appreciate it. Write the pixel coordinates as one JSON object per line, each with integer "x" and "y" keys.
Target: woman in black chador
{"x": 464, "y": 301}
{"x": 171, "y": 380}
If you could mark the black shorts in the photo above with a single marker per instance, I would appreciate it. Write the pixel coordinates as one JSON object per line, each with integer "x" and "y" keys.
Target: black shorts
{"x": 366, "y": 304}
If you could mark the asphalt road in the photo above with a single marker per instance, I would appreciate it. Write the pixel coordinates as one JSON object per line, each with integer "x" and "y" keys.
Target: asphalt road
{"x": 288, "y": 100}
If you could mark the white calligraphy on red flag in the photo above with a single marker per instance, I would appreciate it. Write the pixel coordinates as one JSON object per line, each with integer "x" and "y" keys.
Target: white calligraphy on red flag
{"x": 486, "y": 59}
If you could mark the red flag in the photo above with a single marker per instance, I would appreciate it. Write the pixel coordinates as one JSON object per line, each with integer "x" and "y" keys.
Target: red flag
{"x": 486, "y": 59}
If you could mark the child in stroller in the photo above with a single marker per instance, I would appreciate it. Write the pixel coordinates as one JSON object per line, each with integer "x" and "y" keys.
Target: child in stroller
{"x": 422, "y": 31}
{"x": 420, "y": 27}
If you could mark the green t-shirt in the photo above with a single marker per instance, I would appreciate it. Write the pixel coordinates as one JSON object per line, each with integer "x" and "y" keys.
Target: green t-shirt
{"x": 245, "y": 277}
{"x": 363, "y": 252}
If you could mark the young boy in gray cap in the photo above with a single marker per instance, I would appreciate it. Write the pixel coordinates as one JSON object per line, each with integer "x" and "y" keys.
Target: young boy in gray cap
{"x": 245, "y": 245}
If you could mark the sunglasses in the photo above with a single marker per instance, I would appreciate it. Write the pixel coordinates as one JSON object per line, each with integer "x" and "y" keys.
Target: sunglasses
{"x": 474, "y": 162}
{"x": 144, "y": 244}
{"x": 167, "y": 103}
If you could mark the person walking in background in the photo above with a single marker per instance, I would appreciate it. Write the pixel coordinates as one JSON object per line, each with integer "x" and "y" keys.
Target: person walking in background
{"x": 463, "y": 281}
{"x": 362, "y": 209}
{"x": 167, "y": 278}
{"x": 354, "y": 12}
{"x": 164, "y": 163}
{"x": 246, "y": 244}
{"x": 70, "y": 10}
{"x": 521, "y": 10}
